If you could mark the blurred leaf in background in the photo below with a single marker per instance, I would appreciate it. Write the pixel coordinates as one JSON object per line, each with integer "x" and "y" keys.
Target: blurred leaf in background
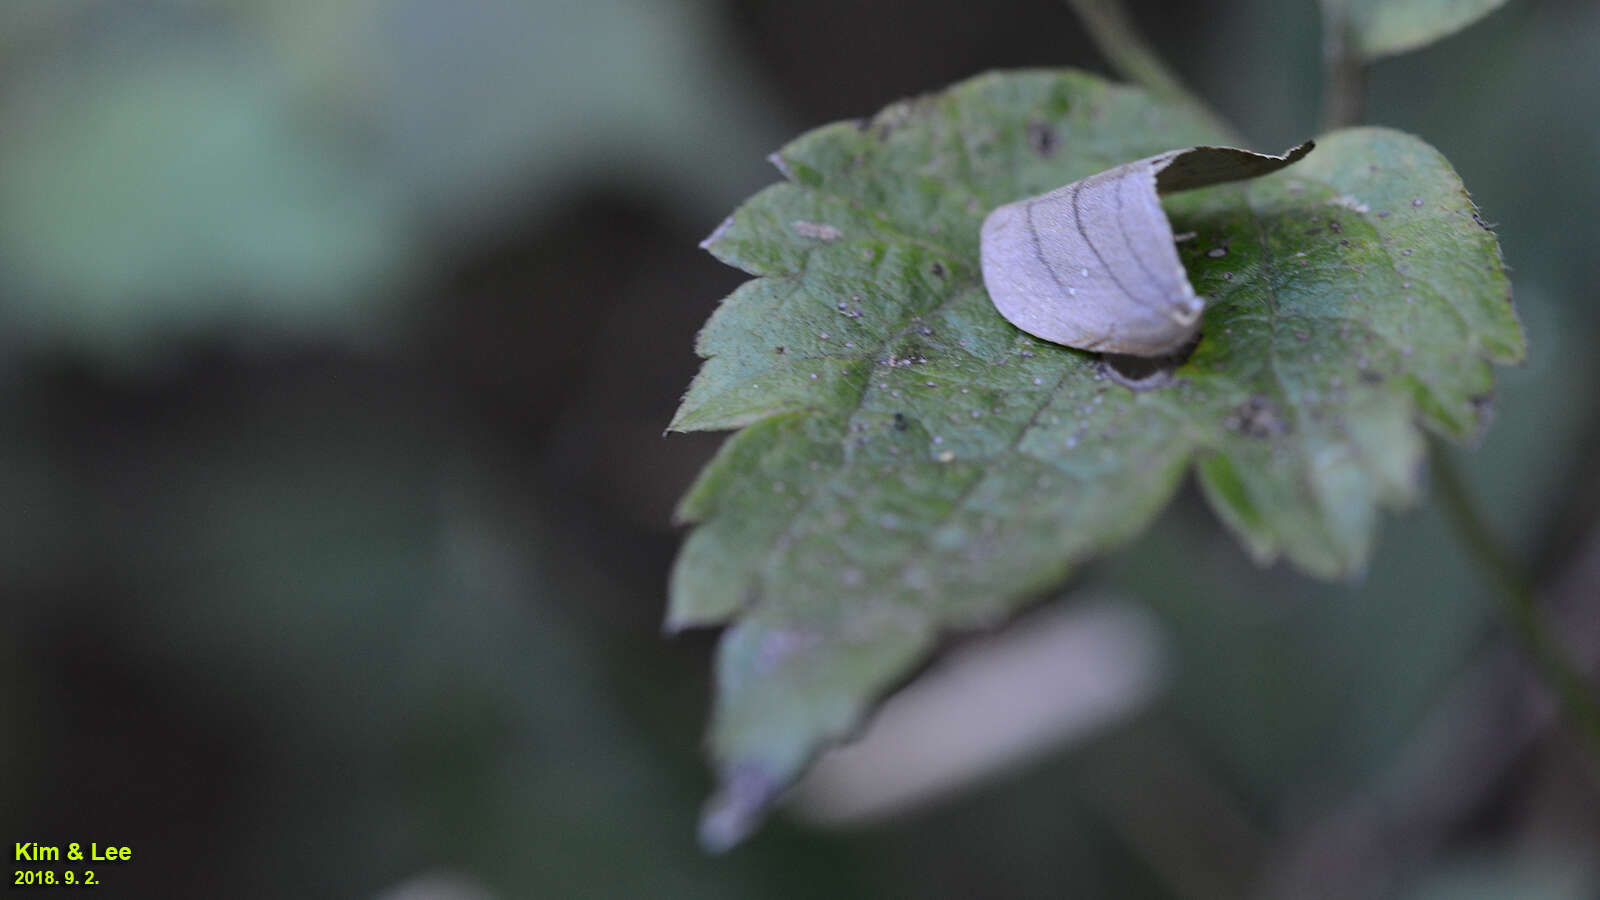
{"x": 156, "y": 185}
{"x": 187, "y": 167}
{"x": 1386, "y": 27}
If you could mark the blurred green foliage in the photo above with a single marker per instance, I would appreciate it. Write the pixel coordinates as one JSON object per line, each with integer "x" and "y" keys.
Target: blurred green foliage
{"x": 256, "y": 168}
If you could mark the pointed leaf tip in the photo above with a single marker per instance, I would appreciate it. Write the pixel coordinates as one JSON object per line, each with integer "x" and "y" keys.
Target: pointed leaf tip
{"x": 737, "y": 808}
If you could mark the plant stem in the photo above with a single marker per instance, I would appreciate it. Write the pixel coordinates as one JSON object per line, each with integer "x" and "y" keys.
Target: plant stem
{"x": 1344, "y": 72}
{"x": 1134, "y": 59}
{"x": 1579, "y": 703}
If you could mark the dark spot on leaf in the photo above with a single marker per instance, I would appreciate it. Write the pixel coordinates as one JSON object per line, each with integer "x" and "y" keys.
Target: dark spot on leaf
{"x": 778, "y": 349}
{"x": 913, "y": 357}
{"x": 1042, "y": 138}
{"x": 938, "y": 270}
{"x": 1334, "y": 226}
{"x": 899, "y": 422}
{"x": 1145, "y": 373}
{"x": 1370, "y": 377}
{"x": 1483, "y": 408}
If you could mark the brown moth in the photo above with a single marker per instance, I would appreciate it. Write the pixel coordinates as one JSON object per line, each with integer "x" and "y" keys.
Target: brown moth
{"x": 1093, "y": 265}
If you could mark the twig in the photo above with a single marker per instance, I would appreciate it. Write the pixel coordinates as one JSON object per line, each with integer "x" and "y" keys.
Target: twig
{"x": 1579, "y": 704}
{"x": 1134, "y": 59}
{"x": 1450, "y": 766}
{"x": 1344, "y": 79}
{"x": 1173, "y": 813}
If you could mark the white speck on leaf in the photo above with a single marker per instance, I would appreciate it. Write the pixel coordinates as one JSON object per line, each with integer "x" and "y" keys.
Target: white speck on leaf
{"x": 1349, "y": 202}
{"x": 818, "y": 230}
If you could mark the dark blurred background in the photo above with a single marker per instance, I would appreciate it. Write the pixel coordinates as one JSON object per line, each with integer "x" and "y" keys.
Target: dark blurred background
{"x": 337, "y": 338}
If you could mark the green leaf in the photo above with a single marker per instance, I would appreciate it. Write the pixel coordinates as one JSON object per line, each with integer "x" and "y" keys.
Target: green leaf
{"x": 911, "y": 464}
{"x": 1385, "y": 27}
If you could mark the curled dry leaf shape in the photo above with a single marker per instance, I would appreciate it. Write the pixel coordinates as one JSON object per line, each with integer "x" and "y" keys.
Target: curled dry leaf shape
{"x": 1093, "y": 265}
